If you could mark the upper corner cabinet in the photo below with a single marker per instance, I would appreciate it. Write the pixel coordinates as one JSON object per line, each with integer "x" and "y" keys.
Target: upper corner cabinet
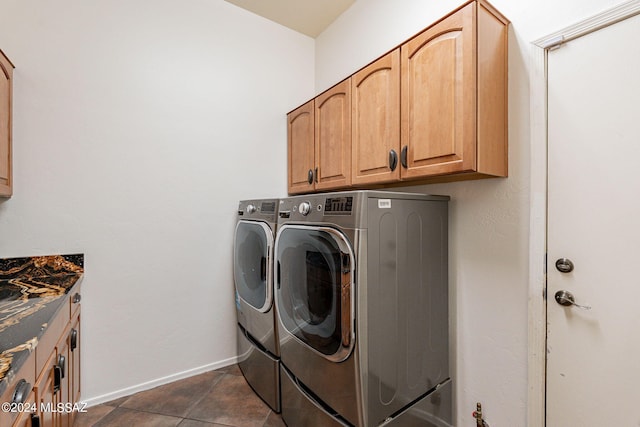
{"x": 319, "y": 142}
{"x": 301, "y": 148}
{"x": 6, "y": 84}
{"x": 454, "y": 96}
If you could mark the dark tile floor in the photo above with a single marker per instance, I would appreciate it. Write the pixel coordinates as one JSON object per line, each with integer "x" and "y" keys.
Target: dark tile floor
{"x": 220, "y": 398}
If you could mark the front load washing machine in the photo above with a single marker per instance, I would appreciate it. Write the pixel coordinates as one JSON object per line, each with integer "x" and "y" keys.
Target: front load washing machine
{"x": 258, "y": 346}
{"x": 362, "y": 302}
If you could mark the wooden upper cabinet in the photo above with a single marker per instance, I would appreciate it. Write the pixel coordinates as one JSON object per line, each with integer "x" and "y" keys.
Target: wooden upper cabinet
{"x": 301, "y": 155}
{"x": 6, "y": 75}
{"x": 375, "y": 121}
{"x": 319, "y": 142}
{"x": 454, "y": 96}
{"x": 434, "y": 110}
{"x": 333, "y": 137}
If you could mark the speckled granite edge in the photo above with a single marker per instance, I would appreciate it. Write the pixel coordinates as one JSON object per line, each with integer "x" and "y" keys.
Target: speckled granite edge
{"x": 32, "y": 290}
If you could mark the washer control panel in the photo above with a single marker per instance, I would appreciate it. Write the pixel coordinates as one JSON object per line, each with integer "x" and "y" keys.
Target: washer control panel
{"x": 338, "y": 205}
{"x": 316, "y": 208}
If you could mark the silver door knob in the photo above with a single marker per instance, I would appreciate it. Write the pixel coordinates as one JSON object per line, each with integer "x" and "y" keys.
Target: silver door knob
{"x": 566, "y": 298}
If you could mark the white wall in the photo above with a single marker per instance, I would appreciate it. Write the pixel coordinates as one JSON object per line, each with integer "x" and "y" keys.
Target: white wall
{"x": 138, "y": 127}
{"x": 489, "y": 228}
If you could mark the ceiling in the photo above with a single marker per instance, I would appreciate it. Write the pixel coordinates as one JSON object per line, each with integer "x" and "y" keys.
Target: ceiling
{"x": 309, "y": 17}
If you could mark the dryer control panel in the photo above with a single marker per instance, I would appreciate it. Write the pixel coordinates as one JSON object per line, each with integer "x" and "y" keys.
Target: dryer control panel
{"x": 338, "y": 205}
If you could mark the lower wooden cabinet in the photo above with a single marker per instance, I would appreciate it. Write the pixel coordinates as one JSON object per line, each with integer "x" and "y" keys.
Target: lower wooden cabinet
{"x": 51, "y": 375}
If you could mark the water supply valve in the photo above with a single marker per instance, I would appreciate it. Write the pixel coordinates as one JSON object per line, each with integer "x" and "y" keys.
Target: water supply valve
{"x": 477, "y": 414}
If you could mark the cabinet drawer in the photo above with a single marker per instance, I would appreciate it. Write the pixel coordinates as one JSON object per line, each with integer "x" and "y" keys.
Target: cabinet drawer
{"x": 74, "y": 300}
{"x": 27, "y": 373}
{"x": 50, "y": 338}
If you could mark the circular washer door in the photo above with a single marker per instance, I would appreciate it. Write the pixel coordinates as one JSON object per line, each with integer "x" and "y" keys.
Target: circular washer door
{"x": 314, "y": 288}
{"x": 252, "y": 269}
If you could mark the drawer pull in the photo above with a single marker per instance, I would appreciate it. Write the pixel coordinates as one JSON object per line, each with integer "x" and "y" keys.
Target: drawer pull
{"x": 76, "y": 298}
{"x": 62, "y": 364}
{"x": 23, "y": 388}
{"x": 58, "y": 373}
{"x": 57, "y": 378}
{"x": 73, "y": 340}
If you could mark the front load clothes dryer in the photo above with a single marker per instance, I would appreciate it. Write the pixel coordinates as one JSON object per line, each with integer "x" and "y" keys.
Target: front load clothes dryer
{"x": 362, "y": 304}
{"x": 258, "y": 346}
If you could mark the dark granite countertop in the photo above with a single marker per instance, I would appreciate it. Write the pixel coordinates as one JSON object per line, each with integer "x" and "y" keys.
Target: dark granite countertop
{"x": 32, "y": 291}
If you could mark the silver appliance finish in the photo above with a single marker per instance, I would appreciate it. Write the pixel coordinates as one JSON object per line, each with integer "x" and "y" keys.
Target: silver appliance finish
{"x": 362, "y": 302}
{"x": 258, "y": 346}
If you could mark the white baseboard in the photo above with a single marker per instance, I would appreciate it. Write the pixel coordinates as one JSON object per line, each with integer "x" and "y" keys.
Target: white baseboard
{"x": 96, "y": 400}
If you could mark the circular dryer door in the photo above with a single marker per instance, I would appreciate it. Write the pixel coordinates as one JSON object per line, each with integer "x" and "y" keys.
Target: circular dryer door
{"x": 251, "y": 263}
{"x": 314, "y": 292}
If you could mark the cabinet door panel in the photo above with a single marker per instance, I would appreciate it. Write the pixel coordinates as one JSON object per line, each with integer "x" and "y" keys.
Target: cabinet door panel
{"x": 333, "y": 137}
{"x": 75, "y": 359}
{"x": 47, "y": 395}
{"x": 63, "y": 362}
{"x": 301, "y": 128}
{"x": 6, "y": 71}
{"x": 376, "y": 121}
{"x": 24, "y": 419}
{"x": 439, "y": 98}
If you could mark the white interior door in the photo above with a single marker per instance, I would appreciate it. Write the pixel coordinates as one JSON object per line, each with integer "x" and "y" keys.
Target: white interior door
{"x": 593, "y": 355}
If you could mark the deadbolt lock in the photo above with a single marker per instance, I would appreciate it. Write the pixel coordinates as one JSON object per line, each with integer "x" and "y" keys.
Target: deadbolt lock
{"x": 564, "y": 265}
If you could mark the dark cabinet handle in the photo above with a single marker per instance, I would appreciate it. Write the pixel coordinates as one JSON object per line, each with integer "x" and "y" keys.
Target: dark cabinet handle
{"x": 76, "y": 298}
{"x": 73, "y": 339}
{"x": 316, "y": 174}
{"x": 403, "y": 156}
{"x": 393, "y": 160}
{"x": 59, "y": 372}
{"x": 310, "y": 177}
{"x": 57, "y": 378}
{"x": 35, "y": 420}
{"x": 23, "y": 388}
{"x": 62, "y": 364}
